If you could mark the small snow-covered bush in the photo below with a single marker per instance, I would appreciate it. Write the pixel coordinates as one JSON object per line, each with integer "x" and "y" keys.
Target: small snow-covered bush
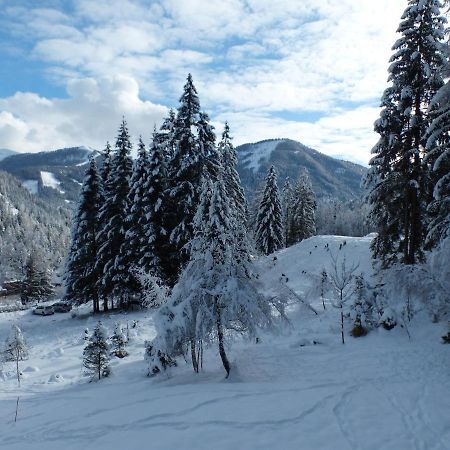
{"x": 388, "y": 319}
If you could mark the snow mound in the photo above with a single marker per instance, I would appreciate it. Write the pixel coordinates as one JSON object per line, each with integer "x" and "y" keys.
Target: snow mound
{"x": 30, "y": 369}
{"x": 56, "y": 378}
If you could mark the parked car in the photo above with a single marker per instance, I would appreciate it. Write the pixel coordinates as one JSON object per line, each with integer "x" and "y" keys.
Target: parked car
{"x": 62, "y": 307}
{"x": 44, "y": 310}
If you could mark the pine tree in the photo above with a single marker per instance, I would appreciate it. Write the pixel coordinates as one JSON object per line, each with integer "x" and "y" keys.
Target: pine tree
{"x": 287, "y": 195}
{"x": 165, "y": 136}
{"x": 112, "y": 219}
{"x": 119, "y": 342}
{"x": 302, "y": 211}
{"x": 107, "y": 161}
{"x": 154, "y": 260}
{"x": 36, "y": 285}
{"x": 397, "y": 179}
{"x": 81, "y": 273}
{"x": 269, "y": 222}
{"x": 96, "y": 354}
{"x": 185, "y": 171}
{"x": 232, "y": 181}
{"x": 16, "y": 348}
{"x": 135, "y": 246}
{"x": 438, "y": 163}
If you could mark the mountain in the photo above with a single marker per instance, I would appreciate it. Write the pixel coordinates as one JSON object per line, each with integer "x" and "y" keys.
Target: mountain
{"x": 28, "y": 223}
{"x": 330, "y": 177}
{"x": 55, "y": 175}
{"x": 4, "y": 152}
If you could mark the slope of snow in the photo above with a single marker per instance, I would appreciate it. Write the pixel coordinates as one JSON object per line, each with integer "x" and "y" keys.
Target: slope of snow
{"x": 383, "y": 391}
{"x": 49, "y": 180}
{"x": 258, "y": 153}
{"x": 31, "y": 186}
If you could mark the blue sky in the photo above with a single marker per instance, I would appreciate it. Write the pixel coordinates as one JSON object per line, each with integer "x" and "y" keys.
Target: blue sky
{"x": 310, "y": 70}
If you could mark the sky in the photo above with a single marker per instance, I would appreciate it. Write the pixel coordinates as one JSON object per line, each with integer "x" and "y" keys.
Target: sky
{"x": 309, "y": 70}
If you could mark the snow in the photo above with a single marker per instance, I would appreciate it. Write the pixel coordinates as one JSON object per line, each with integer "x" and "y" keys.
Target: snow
{"x": 31, "y": 186}
{"x": 49, "y": 180}
{"x": 299, "y": 388}
{"x": 258, "y": 153}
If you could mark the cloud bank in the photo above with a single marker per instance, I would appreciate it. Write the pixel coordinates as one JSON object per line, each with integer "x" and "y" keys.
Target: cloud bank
{"x": 311, "y": 71}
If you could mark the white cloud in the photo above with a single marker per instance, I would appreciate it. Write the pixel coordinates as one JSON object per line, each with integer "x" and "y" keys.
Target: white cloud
{"x": 252, "y": 61}
{"x": 90, "y": 115}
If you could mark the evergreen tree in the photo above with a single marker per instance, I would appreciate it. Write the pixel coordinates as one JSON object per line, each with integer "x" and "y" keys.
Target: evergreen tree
{"x": 438, "y": 162}
{"x": 107, "y": 161}
{"x": 81, "y": 273}
{"x": 397, "y": 179}
{"x": 269, "y": 222}
{"x": 232, "y": 181}
{"x": 134, "y": 246}
{"x": 113, "y": 280}
{"x": 119, "y": 342}
{"x": 96, "y": 354}
{"x": 165, "y": 137}
{"x": 185, "y": 170}
{"x": 36, "y": 285}
{"x": 210, "y": 158}
{"x": 215, "y": 292}
{"x": 287, "y": 195}
{"x": 155, "y": 260}
{"x": 302, "y": 211}
{"x": 16, "y": 349}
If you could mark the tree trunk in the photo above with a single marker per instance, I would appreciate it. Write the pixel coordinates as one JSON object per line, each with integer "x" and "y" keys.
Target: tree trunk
{"x": 105, "y": 303}
{"x": 99, "y": 366}
{"x": 194, "y": 356}
{"x": 222, "y": 353}
{"x": 17, "y": 366}
{"x": 342, "y": 324}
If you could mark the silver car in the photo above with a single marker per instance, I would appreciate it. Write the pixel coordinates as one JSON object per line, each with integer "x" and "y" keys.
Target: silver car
{"x": 44, "y": 310}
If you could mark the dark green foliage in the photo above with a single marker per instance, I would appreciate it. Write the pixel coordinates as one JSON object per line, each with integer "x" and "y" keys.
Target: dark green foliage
{"x": 36, "y": 285}
{"x": 81, "y": 271}
{"x": 96, "y": 354}
{"x": 269, "y": 222}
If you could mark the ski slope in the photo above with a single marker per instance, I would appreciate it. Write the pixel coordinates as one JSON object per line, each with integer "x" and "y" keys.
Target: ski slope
{"x": 383, "y": 391}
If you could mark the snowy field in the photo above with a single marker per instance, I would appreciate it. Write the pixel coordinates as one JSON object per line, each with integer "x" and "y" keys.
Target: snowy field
{"x": 382, "y": 391}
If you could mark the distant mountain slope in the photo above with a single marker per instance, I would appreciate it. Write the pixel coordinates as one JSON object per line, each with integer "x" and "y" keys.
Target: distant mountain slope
{"x": 55, "y": 175}
{"x": 330, "y": 177}
{"x": 29, "y": 223}
{"x": 4, "y": 153}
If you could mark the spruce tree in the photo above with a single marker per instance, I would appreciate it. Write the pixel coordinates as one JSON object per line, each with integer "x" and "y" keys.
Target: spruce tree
{"x": 165, "y": 136}
{"x": 96, "y": 354}
{"x": 16, "y": 349}
{"x": 82, "y": 273}
{"x": 302, "y": 211}
{"x": 36, "y": 285}
{"x": 215, "y": 293}
{"x": 134, "y": 245}
{"x": 185, "y": 171}
{"x": 438, "y": 164}
{"x": 397, "y": 179}
{"x": 154, "y": 260}
{"x": 113, "y": 280}
{"x": 232, "y": 181}
{"x": 269, "y": 221}
{"x": 119, "y": 342}
{"x": 287, "y": 194}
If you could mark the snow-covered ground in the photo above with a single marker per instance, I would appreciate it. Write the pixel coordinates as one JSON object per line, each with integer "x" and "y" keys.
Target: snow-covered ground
{"x": 31, "y": 185}
{"x": 382, "y": 391}
{"x": 258, "y": 153}
{"x": 49, "y": 180}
